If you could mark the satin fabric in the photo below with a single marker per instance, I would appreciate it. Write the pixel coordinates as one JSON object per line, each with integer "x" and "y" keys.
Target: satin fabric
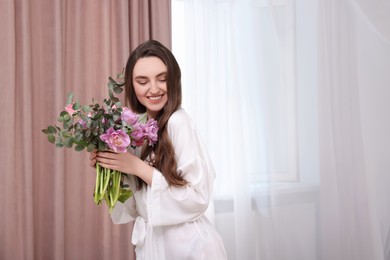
{"x": 170, "y": 222}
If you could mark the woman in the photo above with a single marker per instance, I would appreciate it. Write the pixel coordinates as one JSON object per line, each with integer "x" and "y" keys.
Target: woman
{"x": 172, "y": 181}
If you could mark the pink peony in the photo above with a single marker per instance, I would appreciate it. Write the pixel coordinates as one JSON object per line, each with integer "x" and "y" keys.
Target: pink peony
{"x": 137, "y": 136}
{"x": 69, "y": 109}
{"x": 129, "y": 117}
{"x": 117, "y": 140}
{"x": 150, "y": 131}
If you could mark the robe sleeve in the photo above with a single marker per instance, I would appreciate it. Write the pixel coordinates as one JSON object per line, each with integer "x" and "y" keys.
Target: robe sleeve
{"x": 126, "y": 212}
{"x": 169, "y": 205}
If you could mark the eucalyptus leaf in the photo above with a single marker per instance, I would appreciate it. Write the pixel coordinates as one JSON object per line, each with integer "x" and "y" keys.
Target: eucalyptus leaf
{"x": 118, "y": 89}
{"x": 51, "y": 129}
{"x": 68, "y": 142}
{"x": 95, "y": 132}
{"x": 79, "y": 148}
{"x": 66, "y": 117}
{"x": 88, "y": 133}
{"x": 69, "y": 98}
{"x": 111, "y": 80}
{"x": 91, "y": 147}
{"x": 86, "y": 109}
{"x": 78, "y": 137}
{"x": 51, "y": 138}
{"x": 76, "y": 106}
{"x": 99, "y": 113}
{"x": 102, "y": 146}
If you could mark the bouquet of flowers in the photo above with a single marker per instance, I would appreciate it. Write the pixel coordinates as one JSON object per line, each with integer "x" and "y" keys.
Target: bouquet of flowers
{"x": 109, "y": 126}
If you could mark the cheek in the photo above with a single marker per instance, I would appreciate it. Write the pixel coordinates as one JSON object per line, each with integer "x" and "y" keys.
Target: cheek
{"x": 139, "y": 92}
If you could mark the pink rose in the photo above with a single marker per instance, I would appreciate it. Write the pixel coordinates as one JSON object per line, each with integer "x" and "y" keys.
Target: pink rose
{"x": 117, "y": 140}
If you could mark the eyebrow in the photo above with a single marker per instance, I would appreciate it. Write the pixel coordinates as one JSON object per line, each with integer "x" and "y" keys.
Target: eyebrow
{"x": 164, "y": 73}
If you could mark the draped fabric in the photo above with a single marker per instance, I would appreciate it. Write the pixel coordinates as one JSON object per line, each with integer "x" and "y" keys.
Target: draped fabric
{"x": 149, "y": 20}
{"x": 235, "y": 56}
{"x": 354, "y": 59}
{"x": 48, "y": 49}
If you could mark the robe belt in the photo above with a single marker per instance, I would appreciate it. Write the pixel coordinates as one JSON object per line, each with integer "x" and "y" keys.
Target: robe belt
{"x": 139, "y": 232}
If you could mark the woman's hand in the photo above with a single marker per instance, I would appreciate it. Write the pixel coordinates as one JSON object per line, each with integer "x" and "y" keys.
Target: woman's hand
{"x": 124, "y": 162}
{"x": 92, "y": 159}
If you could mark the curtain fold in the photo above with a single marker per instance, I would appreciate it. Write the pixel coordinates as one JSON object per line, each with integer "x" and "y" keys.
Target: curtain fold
{"x": 353, "y": 222}
{"x": 150, "y": 20}
{"x": 377, "y": 14}
{"x": 48, "y": 49}
{"x": 232, "y": 57}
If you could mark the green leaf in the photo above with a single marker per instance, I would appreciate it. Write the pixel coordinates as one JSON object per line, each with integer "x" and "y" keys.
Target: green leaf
{"x": 64, "y": 113}
{"x": 86, "y": 108}
{"x": 102, "y": 146}
{"x": 59, "y": 145}
{"x": 79, "y": 147}
{"x": 111, "y": 80}
{"x": 51, "y": 129}
{"x": 45, "y": 131}
{"x": 78, "y": 137}
{"x": 61, "y": 119}
{"x": 88, "y": 133}
{"x": 121, "y": 75}
{"x": 66, "y": 117}
{"x": 142, "y": 118}
{"x": 69, "y": 98}
{"x": 112, "y": 97}
{"x": 124, "y": 195}
{"x": 99, "y": 113}
{"x": 117, "y": 89}
{"x": 91, "y": 147}
{"x": 51, "y": 138}
{"x": 68, "y": 142}
{"x": 76, "y": 106}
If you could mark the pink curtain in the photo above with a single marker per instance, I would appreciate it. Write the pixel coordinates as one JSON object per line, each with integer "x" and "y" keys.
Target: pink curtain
{"x": 150, "y": 20}
{"x": 49, "y": 48}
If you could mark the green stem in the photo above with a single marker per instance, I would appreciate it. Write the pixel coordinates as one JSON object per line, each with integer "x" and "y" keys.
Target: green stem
{"x": 96, "y": 195}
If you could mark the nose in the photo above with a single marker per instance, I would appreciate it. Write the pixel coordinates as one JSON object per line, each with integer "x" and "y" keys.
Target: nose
{"x": 154, "y": 87}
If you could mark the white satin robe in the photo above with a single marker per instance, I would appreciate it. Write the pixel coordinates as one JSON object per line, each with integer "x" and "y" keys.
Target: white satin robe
{"x": 169, "y": 221}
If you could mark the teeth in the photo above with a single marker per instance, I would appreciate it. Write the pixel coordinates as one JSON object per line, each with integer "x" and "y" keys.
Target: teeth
{"x": 155, "y": 98}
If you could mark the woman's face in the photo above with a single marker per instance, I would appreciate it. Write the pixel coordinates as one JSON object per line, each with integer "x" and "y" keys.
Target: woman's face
{"x": 150, "y": 84}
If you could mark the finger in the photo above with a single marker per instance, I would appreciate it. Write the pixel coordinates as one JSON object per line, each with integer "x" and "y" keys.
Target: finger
{"x": 108, "y": 166}
{"x": 109, "y": 155}
{"x": 92, "y": 163}
{"x": 92, "y": 156}
{"x": 105, "y": 160}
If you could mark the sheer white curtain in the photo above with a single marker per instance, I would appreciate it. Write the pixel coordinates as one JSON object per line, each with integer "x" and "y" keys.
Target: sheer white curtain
{"x": 354, "y": 145}
{"x": 240, "y": 86}
{"x": 291, "y": 98}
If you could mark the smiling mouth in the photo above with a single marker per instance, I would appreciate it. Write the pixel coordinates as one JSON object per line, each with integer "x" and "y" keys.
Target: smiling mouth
{"x": 154, "y": 98}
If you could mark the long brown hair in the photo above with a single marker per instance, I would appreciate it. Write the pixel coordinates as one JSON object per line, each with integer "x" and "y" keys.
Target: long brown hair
{"x": 164, "y": 154}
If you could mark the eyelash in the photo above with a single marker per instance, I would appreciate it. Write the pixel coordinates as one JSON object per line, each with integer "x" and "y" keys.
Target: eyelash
{"x": 145, "y": 82}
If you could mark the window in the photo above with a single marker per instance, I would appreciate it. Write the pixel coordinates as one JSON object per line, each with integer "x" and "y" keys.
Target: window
{"x": 238, "y": 62}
